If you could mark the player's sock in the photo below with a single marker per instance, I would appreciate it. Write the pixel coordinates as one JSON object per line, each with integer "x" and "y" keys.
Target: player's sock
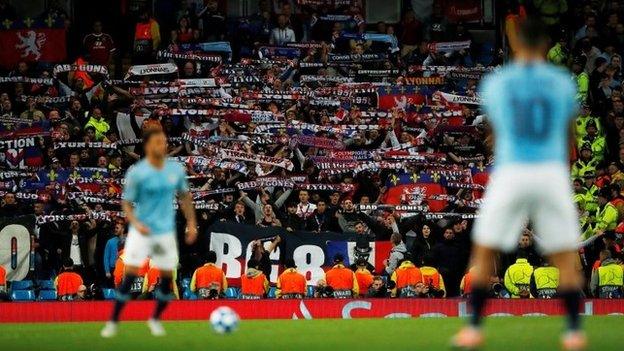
{"x": 163, "y": 295}
{"x": 571, "y": 300}
{"x": 123, "y": 295}
{"x": 478, "y": 297}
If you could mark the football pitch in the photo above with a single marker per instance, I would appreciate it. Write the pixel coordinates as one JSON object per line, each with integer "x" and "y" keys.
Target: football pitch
{"x": 503, "y": 333}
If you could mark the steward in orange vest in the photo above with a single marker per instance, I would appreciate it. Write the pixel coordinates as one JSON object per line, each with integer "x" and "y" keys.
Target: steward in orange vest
{"x": 408, "y": 280}
{"x": 363, "y": 276}
{"x": 341, "y": 279}
{"x": 3, "y": 287}
{"x": 291, "y": 284}
{"x": 209, "y": 280}
{"x": 67, "y": 283}
{"x": 465, "y": 287}
{"x": 146, "y": 37}
{"x": 152, "y": 279}
{"x": 118, "y": 274}
{"x": 254, "y": 284}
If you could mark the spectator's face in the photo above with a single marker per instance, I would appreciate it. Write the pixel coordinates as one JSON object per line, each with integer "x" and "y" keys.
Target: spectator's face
{"x": 76, "y": 105}
{"x": 359, "y": 228}
{"x": 334, "y": 198}
{"x": 590, "y": 21}
{"x": 84, "y": 155}
{"x": 54, "y": 115}
{"x": 9, "y": 199}
{"x": 74, "y": 159}
{"x": 525, "y": 241}
{"x": 281, "y": 21}
{"x": 292, "y": 209}
{"x": 189, "y": 70}
{"x": 321, "y": 207}
{"x": 38, "y": 208}
{"x": 359, "y": 50}
{"x": 119, "y": 229}
{"x": 97, "y": 113}
{"x": 97, "y": 27}
{"x": 426, "y": 231}
{"x": 618, "y": 106}
{"x": 22, "y": 67}
{"x": 377, "y": 284}
{"x": 74, "y": 225}
{"x": 239, "y": 209}
{"x": 348, "y": 205}
{"x": 82, "y": 290}
{"x": 365, "y": 200}
{"x": 303, "y": 196}
{"x": 578, "y": 186}
{"x": 448, "y": 234}
{"x": 90, "y": 133}
{"x": 267, "y": 210}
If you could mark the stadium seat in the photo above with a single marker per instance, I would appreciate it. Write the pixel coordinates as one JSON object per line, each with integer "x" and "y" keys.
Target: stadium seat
{"x": 23, "y": 295}
{"x": 46, "y": 285}
{"x": 109, "y": 294}
{"x": 21, "y": 284}
{"x": 47, "y": 295}
{"x": 185, "y": 283}
{"x": 310, "y": 291}
{"x": 189, "y": 295}
{"x": 272, "y": 292}
{"x": 231, "y": 293}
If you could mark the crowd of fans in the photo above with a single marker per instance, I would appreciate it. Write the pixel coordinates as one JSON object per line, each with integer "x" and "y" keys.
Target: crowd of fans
{"x": 313, "y": 95}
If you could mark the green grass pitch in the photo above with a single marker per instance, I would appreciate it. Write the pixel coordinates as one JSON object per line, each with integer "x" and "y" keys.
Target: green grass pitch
{"x": 503, "y": 333}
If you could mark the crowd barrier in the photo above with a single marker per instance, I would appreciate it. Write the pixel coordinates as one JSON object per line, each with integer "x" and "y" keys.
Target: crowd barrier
{"x": 294, "y": 309}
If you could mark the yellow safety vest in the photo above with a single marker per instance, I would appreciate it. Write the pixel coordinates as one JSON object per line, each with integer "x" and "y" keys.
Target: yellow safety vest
{"x": 518, "y": 277}
{"x": 546, "y": 281}
{"x": 610, "y": 275}
{"x": 607, "y": 217}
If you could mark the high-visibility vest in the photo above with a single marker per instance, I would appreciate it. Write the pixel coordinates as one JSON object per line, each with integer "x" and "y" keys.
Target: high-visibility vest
{"x": 466, "y": 283}
{"x": 364, "y": 279}
{"x": 341, "y": 278}
{"x": 518, "y": 276}
{"x": 143, "y": 31}
{"x": 254, "y": 286}
{"x": 67, "y": 284}
{"x": 546, "y": 281}
{"x": 208, "y": 276}
{"x": 408, "y": 275}
{"x": 607, "y": 217}
{"x": 118, "y": 272}
{"x": 291, "y": 283}
{"x": 2, "y": 276}
{"x": 432, "y": 278}
{"x": 611, "y": 275}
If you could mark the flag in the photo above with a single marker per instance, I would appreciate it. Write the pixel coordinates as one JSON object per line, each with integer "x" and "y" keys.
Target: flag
{"x": 401, "y": 97}
{"x": 20, "y": 149}
{"x": 414, "y": 189}
{"x": 32, "y": 45}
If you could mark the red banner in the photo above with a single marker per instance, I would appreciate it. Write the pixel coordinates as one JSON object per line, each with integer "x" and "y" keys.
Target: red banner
{"x": 32, "y": 45}
{"x": 464, "y": 10}
{"x": 294, "y": 309}
{"x": 414, "y": 193}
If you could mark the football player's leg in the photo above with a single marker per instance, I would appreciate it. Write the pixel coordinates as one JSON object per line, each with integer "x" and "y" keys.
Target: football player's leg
{"x": 557, "y": 223}
{"x": 165, "y": 258}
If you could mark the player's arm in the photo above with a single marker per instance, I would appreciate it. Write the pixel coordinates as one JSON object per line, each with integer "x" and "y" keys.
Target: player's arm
{"x": 130, "y": 194}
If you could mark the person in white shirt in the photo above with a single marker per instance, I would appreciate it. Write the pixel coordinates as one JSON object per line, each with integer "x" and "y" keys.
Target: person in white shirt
{"x": 282, "y": 34}
{"x": 305, "y": 208}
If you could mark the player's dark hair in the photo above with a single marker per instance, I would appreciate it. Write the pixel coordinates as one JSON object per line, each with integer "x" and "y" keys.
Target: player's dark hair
{"x": 211, "y": 257}
{"x": 533, "y": 33}
{"x": 149, "y": 133}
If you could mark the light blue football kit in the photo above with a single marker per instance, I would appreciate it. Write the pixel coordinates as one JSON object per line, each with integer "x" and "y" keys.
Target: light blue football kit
{"x": 153, "y": 192}
{"x": 530, "y": 106}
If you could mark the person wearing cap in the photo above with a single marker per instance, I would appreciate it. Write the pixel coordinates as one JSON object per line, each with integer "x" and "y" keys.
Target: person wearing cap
{"x": 581, "y": 123}
{"x": 363, "y": 276}
{"x": 607, "y": 282}
{"x": 607, "y": 215}
{"x": 596, "y": 142}
{"x": 586, "y": 162}
{"x": 341, "y": 279}
{"x": 290, "y": 284}
{"x": 581, "y": 77}
{"x": 558, "y": 54}
{"x": 68, "y": 282}
{"x": 591, "y": 192}
{"x": 209, "y": 278}
{"x": 408, "y": 280}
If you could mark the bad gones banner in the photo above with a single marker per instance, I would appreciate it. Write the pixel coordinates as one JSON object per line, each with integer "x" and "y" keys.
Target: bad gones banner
{"x": 15, "y": 248}
{"x": 313, "y": 252}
